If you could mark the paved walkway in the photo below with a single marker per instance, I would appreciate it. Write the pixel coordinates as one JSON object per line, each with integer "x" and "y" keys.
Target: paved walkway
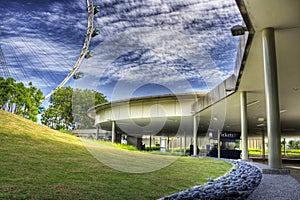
{"x": 276, "y": 186}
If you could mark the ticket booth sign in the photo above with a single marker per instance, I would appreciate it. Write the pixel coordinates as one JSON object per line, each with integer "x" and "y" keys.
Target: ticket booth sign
{"x": 230, "y": 135}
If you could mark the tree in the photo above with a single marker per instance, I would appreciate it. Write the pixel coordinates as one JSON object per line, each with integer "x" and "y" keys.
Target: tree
{"x": 18, "y": 99}
{"x": 82, "y": 101}
{"x": 68, "y": 108}
{"x": 294, "y": 144}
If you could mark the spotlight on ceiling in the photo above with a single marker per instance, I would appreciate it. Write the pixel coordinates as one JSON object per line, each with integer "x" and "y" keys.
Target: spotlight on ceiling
{"x": 260, "y": 125}
{"x": 215, "y": 118}
{"x": 238, "y": 30}
{"x": 260, "y": 119}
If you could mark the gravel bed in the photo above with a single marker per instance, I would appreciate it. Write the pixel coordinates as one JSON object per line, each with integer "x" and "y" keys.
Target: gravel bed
{"x": 239, "y": 183}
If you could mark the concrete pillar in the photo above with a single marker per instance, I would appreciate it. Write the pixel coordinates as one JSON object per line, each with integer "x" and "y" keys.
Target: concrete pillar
{"x": 150, "y": 143}
{"x": 184, "y": 143}
{"x": 219, "y": 144}
{"x": 272, "y": 101}
{"x": 113, "y": 131}
{"x": 97, "y": 132}
{"x": 195, "y": 135}
{"x": 284, "y": 147}
{"x": 263, "y": 145}
{"x": 244, "y": 125}
{"x": 180, "y": 144}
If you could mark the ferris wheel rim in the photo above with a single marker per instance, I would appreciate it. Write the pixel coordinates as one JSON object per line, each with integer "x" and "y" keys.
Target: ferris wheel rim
{"x": 89, "y": 32}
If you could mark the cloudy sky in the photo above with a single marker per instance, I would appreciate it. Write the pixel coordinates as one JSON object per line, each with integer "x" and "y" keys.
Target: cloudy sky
{"x": 145, "y": 47}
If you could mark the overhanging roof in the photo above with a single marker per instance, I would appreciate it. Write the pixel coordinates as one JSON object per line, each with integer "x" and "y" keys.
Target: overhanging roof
{"x": 284, "y": 18}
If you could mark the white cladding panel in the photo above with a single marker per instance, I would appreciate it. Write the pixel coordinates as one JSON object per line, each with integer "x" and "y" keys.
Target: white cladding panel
{"x": 124, "y": 111}
{"x": 146, "y": 109}
{"x": 150, "y": 109}
{"x": 185, "y": 107}
{"x": 167, "y": 108}
{"x": 107, "y": 114}
{"x": 136, "y": 109}
{"x": 98, "y": 118}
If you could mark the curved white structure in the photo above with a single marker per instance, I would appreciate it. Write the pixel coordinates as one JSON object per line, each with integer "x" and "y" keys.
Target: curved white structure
{"x": 154, "y": 115}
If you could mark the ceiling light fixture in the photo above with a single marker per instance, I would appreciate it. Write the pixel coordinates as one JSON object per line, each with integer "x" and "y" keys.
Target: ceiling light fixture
{"x": 261, "y": 119}
{"x": 260, "y": 125}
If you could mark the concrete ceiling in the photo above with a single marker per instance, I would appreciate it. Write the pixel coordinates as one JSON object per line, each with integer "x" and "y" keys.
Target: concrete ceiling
{"x": 285, "y": 18}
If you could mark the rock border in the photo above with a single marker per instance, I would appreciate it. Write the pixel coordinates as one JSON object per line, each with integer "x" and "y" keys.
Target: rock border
{"x": 237, "y": 184}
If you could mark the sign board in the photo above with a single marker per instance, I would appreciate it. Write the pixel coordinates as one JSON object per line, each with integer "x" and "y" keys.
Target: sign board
{"x": 230, "y": 135}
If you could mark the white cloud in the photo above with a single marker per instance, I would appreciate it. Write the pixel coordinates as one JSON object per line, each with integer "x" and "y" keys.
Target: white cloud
{"x": 188, "y": 40}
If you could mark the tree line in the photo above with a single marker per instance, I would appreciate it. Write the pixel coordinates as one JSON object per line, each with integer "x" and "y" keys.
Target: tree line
{"x": 19, "y": 99}
{"x": 68, "y": 108}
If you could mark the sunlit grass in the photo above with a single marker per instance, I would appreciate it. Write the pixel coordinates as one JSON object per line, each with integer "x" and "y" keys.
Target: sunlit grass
{"x": 289, "y": 152}
{"x": 39, "y": 163}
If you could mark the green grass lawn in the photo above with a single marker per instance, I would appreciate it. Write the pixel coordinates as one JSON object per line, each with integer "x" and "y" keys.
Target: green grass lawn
{"x": 289, "y": 152}
{"x": 39, "y": 163}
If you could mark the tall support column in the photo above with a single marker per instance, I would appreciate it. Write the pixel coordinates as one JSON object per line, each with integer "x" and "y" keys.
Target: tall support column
{"x": 272, "y": 102}
{"x": 244, "y": 125}
{"x": 97, "y": 133}
{"x": 180, "y": 144}
{"x": 184, "y": 143}
{"x": 113, "y": 131}
{"x": 219, "y": 144}
{"x": 195, "y": 135}
{"x": 150, "y": 143}
{"x": 284, "y": 147}
{"x": 263, "y": 145}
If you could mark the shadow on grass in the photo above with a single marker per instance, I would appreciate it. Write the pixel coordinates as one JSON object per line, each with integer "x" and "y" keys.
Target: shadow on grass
{"x": 127, "y": 161}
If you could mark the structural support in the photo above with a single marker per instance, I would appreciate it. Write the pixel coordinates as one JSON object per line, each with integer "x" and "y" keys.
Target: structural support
{"x": 244, "y": 125}
{"x": 272, "y": 102}
{"x": 180, "y": 144}
{"x": 219, "y": 144}
{"x": 195, "y": 136}
{"x": 263, "y": 145}
{"x": 150, "y": 143}
{"x": 113, "y": 131}
{"x": 97, "y": 133}
{"x": 184, "y": 143}
{"x": 284, "y": 147}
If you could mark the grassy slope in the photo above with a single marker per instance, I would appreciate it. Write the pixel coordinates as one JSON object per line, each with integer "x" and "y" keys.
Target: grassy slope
{"x": 39, "y": 163}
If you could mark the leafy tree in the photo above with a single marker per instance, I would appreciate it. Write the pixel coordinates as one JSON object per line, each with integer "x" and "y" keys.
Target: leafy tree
{"x": 294, "y": 144}
{"x": 68, "y": 108}
{"x": 19, "y": 99}
{"x": 82, "y": 101}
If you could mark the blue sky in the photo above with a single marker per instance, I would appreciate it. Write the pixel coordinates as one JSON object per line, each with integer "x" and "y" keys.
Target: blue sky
{"x": 145, "y": 47}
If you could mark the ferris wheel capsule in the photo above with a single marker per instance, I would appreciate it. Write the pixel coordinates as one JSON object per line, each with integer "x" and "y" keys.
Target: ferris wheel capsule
{"x": 41, "y": 109}
{"x": 96, "y": 31}
{"x": 78, "y": 75}
{"x": 96, "y": 9}
{"x": 89, "y": 54}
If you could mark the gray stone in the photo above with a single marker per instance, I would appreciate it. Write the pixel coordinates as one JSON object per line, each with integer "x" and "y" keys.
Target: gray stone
{"x": 239, "y": 183}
